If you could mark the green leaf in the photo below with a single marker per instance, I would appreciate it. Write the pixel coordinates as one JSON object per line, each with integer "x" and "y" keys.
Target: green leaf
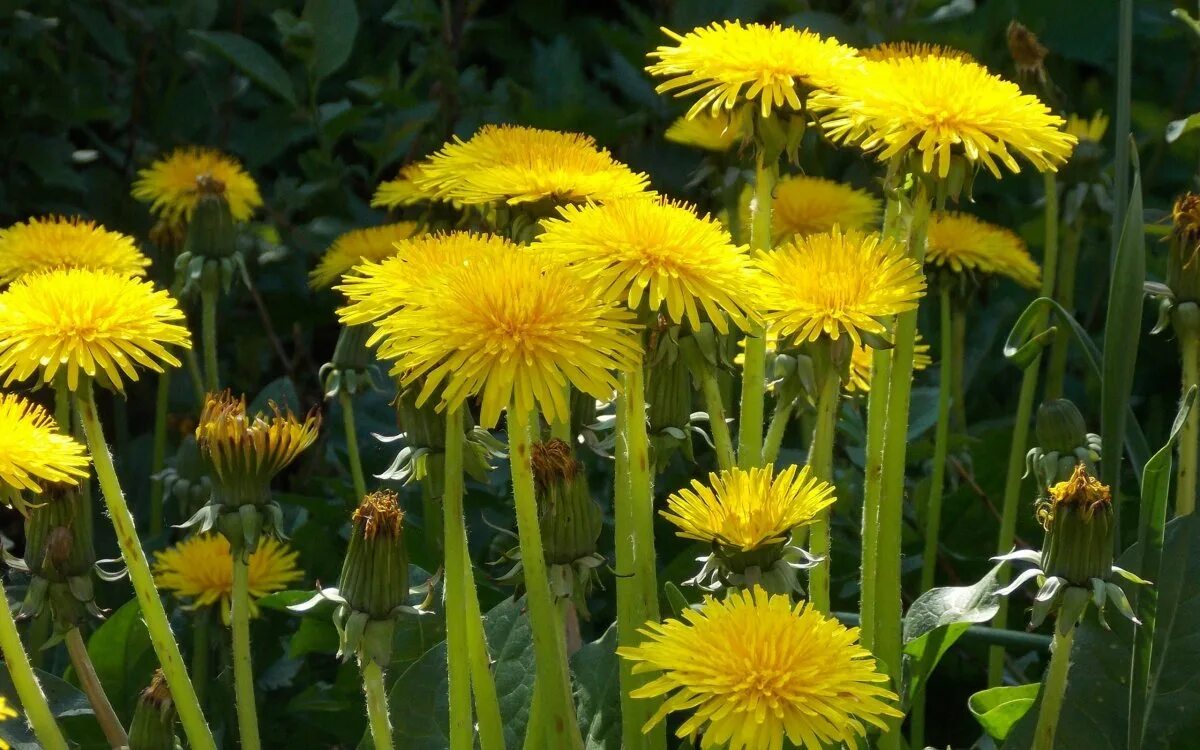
{"x": 598, "y": 692}
{"x": 1176, "y": 128}
{"x": 250, "y": 58}
{"x": 999, "y": 709}
{"x": 123, "y": 656}
{"x": 335, "y": 25}
{"x": 65, "y": 701}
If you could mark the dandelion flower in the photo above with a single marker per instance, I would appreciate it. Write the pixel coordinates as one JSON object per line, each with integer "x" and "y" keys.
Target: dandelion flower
{"x": 964, "y": 244}
{"x": 809, "y": 205}
{"x": 1085, "y": 130}
{"x": 358, "y": 246}
{"x": 658, "y": 253}
{"x": 402, "y": 191}
{"x": 730, "y": 62}
{"x": 748, "y": 509}
{"x": 42, "y": 244}
{"x": 200, "y": 568}
{"x": 510, "y": 328}
{"x": 247, "y": 451}
{"x": 513, "y": 164}
{"x": 939, "y": 107}
{"x": 753, "y": 669}
{"x": 718, "y": 132}
{"x": 173, "y": 184}
{"x": 94, "y": 322}
{"x": 33, "y": 451}
{"x": 862, "y": 358}
{"x": 894, "y": 50}
{"x": 837, "y": 284}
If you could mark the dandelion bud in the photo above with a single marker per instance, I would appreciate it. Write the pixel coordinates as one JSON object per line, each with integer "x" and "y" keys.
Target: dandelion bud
{"x": 1028, "y": 53}
{"x": 570, "y": 519}
{"x": 350, "y": 368}
{"x": 669, "y": 395}
{"x": 210, "y": 232}
{"x": 374, "y": 581}
{"x": 153, "y": 726}
{"x": 1078, "y": 520}
{"x": 1060, "y": 426}
{"x": 1064, "y": 442}
{"x": 60, "y": 555}
{"x": 1183, "y": 264}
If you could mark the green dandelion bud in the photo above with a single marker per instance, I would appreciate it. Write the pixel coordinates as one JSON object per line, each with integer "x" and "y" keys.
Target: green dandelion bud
{"x": 153, "y": 726}
{"x": 350, "y": 369}
{"x": 1064, "y": 442}
{"x": 1183, "y": 262}
{"x": 669, "y": 395}
{"x": 1078, "y": 520}
{"x": 570, "y": 519}
{"x": 209, "y": 256}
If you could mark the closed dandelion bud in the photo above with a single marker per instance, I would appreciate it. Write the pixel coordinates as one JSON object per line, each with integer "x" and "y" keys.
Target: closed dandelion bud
{"x": 60, "y": 555}
{"x": 1183, "y": 263}
{"x": 153, "y": 726}
{"x": 669, "y": 395}
{"x": 374, "y": 581}
{"x": 583, "y": 411}
{"x": 349, "y": 370}
{"x": 1078, "y": 520}
{"x": 1060, "y": 426}
{"x": 210, "y": 231}
{"x": 1064, "y": 443}
{"x": 570, "y": 519}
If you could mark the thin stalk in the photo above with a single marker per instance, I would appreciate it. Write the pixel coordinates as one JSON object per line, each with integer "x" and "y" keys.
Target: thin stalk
{"x": 552, "y": 677}
{"x": 36, "y": 636}
{"x": 1121, "y": 124}
{"x": 457, "y": 649}
{"x": 820, "y": 461}
{"x": 159, "y": 627}
{"x": 62, "y": 403}
{"x": 881, "y": 369}
{"x": 33, "y": 701}
{"x": 784, "y": 407}
{"x": 941, "y": 444}
{"x": 1189, "y": 435}
{"x": 483, "y": 685}
{"x": 1056, "y": 369}
{"x": 192, "y": 362}
{"x": 1053, "y": 690}
{"x": 201, "y": 651}
{"x": 89, "y": 682}
{"x": 159, "y": 457}
{"x": 719, "y": 428}
{"x": 208, "y": 332}
{"x": 535, "y": 727}
{"x": 356, "y": 469}
{"x": 377, "y": 705}
{"x": 958, "y": 388}
{"x": 243, "y": 666}
{"x": 754, "y": 377}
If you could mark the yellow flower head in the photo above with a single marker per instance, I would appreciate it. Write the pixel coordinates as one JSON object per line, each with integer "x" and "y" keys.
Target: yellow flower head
{"x": 244, "y": 448}
{"x": 718, "y": 132}
{"x": 731, "y": 62}
{"x": 810, "y": 205}
{"x": 358, "y": 246}
{"x": 754, "y": 668}
{"x": 33, "y": 451}
{"x": 1081, "y": 491}
{"x": 512, "y": 328}
{"x": 656, "y": 251}
{"x": 963, "y": 243}
{"x": 746, "y": 510}
{"x": 940, "y": 107}
{"x": 894, "y": 50}
{"x": 200, "y": 568}
{"x": 862, "y": 358}
{"x": 379, "y": 514}
{"x": 838, "y": 283}
{"x": 173, "y": 185}
{"x": 91, "y": 321}
{"x": 1088, "y": 130}
{"x": 403, "y": 190}
{"x": 514, "y": 164}
{"x": 376, "y": 289}
{"x": 41, "y": 244}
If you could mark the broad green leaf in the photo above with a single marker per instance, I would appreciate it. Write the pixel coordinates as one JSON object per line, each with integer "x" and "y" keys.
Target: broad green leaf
{"x": 123, "y": 656}
{"x": 65, "y": 701}
{"x": 598, "y": 692}
{"x": 335, "y": 25}
{"x": 998, "y": 709}
{"x": 250, "y": 58}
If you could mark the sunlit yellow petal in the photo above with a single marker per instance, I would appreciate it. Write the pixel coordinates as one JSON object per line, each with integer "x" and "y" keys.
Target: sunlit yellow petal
{"x": 171, "y": 185}
{"x": 359, "y": 246}
{"x": 58, "y": 242}
{"x": 962, "y": 243}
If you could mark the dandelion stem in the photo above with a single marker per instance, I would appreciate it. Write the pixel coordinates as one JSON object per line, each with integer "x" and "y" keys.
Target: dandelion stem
{"x": 820, "y": 460}
{"x": 193, "y": 368}
{"x": 1189, "y": 436}
{"x": 1054, "y": 688}
{"x": 941, "y": 440}
{"x": 159, "y": 627}
{"x": 352, "y": 454}
{"x": 208, "y": 331}
{"x": 457, "y": 649}
{"x": 487, "y": 705}
{"x": 553, "y": 679}
{"x": 33, "y": 701}
{"x": 716, "y": 418}
{"x": 1068, "y": 261}
{"x": 377, "y": 705}
{"x": 243, "y": 666}
{"x": 159, "y": 457}
{"x": 779, "y": 424}
{"x": 62, "y": 403}
{"x": 106, "y": 717}
{"x": 201, "y": 653}
{"x": 754, "y": 379}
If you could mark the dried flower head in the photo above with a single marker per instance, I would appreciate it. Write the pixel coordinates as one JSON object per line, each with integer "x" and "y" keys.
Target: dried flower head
{"x": 1028, "y": 53}
{"x": 379, "y": 514}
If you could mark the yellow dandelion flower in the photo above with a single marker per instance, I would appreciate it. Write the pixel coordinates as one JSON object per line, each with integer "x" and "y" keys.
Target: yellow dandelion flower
{"x": 893, "y": 50}
{"x": 1081, "y": 490}
{"x": 941, "y": 107}
{"x": 358, "y": 246}
{"x": 403, "y": 190}
{"x": 376, "y": 289}
{"x": 658, "y": 253}
{"x": 718, "y": 132}
{"x": 513, "y": 329}
{"x": 41, "y": 244}
{"x": 1088, "y": 130}
{"x": 754, "y": 668}
{"x": 835, "y": 284}
{"x": 964, "y": 243}
{"x": 809, "y": 205}
{"x": 94, "y": 322}
{"x": 862, "y": 358}
{"x": 748, "y": 509}
{"x": 200, "y": 568}
{"x": 513, "y": 164}
{"x": 172, "y": 185}
{"x": 33, "y": 451}
{"x": 730, "y": 62}
{"x": 249, "y": 450}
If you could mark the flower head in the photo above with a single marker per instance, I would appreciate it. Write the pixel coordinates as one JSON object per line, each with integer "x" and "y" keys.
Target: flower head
{"x": 964, "y": 244}
{"x": 862, "y": 359}
{"x": 174, "y": 184}
{"x": 939, "y": 107}
{"x": 835, "y": 284}
{"x": 200, "y": 568}
{"x": 379, "y": 514}
{"x": 33, "y": 451}
{"x": 753, "y": 669}
{"x": 1081, "y": 491}
{"x": 359, "y": 246}
{"x": 718, "y": 132}
{"x": 41, "y": 244}
{"x": 809, "y": 205}
{"x": 512, "y": 328}
{"x": 94, "y": 322}
{"x": 403, "y": 190}
{"x": 895, "y": 50}
{"x": 658, "y": 253}
{"x": 729, "y": 63}
{"x": 514, "y": 164}
{"x": 1085, "y": 130}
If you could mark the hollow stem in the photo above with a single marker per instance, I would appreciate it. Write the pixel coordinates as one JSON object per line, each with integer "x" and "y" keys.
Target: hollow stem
{"x": 1054, "y": 688}
{"x": 201, "y": 652}
{"x": 754, "y": 379}
{"x": 958, "y": 388}
{"x": 716, "y": 418}
{"x": 941, "y": 441}
{"x": 483, "y": 685}
{"x": 820, "y": 460}
{"x": 208, "y": 332}
{"x": 33, "y": 700}
{"x": 159, "y": 627}
{"x": 159, "y": 457}
{"x": 352, "y": 454}
{"x": 243, "y": 666}
{"x": 881, "y": 368}
{"x": 784, "y": 407}
{"x": 1056, "y": 369}
{"x": 89, "y": 682}
{"x": 1189, "y": 436}
{"x": 457, "y": 649}
{"x": 192, "y": 362}
{"x": 377, "y": 705}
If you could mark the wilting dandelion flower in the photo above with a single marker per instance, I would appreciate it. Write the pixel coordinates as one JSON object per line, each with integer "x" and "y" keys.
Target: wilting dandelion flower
{"x": 33, "y": 451}
{"x": 200, "y": 568}
{"x": 173, "y": 184}
{"x": 359, "y": 246}
{"x": 964, "y": 244}
{"x": 656, "y": 253}
{"x": 717, "y": 133}
{"x": 730, "y": 62}
{"x": 514, "y": 164}
{"x": 835, "y": 284}
{"x": 49, "y": 242}
{"x": 403, "y": 190}
{"x": 94, "y": 322}
{"x": 245, "y": 450}
{"x": 809, "y": 205}
{"x": 862, "y": 359}
{"x": 753, "y": 669}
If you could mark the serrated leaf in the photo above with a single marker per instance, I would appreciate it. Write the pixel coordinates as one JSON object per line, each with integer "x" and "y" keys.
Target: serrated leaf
{"x": 250, "y": 58}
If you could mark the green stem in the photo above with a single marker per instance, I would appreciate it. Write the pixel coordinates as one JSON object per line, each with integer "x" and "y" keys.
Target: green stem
{"x": 779, "y": 424}
{"x": 820, "y": 460}
{"x": 33, "y": 701}
{"x": 535, "y": 727}
{"x": 457, "y": 649}
{"x": 1056, "y": 370}
{"x": 193, "y": 368}
{"x": 201, "y": 652}
{"x": 552, "y": 676}
{"x": 89, "y": 682}
{"x": 159, "y": 627}
{"x": 881, "y": 369}
{"x": 62, "y": 403}
{"x": 487, "y": 705}
{"x": 36, "y": 635}
{"x": 1121, "y": 124}
{"x": 159, "y": 457}
{"x": 243, "y": 666}
{"x": 1054, "y": 688}
{"x": 958, "y": 350}
{"x": 1189, "y": 435}
{"x": 356, "y": 469}
{"x": 208, "y": 331}
{"x": 941, "y": 444}
{"x": 377, "y": 705}
{"x": 716, "y": 418}
{"x": 754, "y": 377}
